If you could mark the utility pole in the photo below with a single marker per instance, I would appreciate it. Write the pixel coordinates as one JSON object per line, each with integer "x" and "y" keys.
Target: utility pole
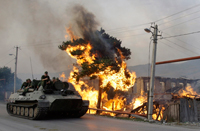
{"x": 151, "y": 90}
{"x": 15, "y": 75}
{"x": 152, "y": 78}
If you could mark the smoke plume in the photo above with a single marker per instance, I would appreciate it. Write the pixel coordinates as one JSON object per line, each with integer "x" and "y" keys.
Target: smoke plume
{"x": 85, "y": 25}
{"x": 40, "y": 28}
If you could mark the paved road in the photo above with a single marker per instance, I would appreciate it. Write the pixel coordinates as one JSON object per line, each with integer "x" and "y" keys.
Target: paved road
{"x": 86, "y": 123}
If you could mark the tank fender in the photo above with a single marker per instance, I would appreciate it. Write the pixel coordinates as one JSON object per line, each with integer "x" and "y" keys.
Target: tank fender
{"x": 43, "y": 103}
{"x": 86, "y": 103}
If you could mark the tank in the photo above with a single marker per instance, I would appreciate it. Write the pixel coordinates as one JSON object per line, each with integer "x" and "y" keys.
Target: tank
{"x": 37, "y": 104}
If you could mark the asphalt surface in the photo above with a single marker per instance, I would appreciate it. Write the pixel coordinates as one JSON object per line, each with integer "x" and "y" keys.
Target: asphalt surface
{"x": 86, "y": 123}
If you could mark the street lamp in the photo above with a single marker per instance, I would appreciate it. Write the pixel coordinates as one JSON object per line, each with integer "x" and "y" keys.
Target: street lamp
{"x": 150, "y": 99}
{"x": 147, "y": 30}
{"x": 15, "y": 75}
{"x": 11, "y": 54}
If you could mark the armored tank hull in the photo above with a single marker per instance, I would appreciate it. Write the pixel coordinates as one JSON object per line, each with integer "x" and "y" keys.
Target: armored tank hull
{"x": 41, "y": 103}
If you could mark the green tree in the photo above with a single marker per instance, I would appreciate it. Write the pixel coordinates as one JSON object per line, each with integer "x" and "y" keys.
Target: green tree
{"x": 7, "y": 79}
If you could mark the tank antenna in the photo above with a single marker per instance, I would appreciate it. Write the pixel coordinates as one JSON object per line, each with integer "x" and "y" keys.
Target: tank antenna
{"x": 31, "y": 68}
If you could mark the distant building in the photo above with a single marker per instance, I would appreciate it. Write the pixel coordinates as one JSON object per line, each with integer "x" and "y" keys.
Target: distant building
{"x": 162, "y": 85}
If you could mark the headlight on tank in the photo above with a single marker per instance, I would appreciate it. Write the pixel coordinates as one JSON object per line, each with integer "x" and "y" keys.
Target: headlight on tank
{"x": 42, "y": 97}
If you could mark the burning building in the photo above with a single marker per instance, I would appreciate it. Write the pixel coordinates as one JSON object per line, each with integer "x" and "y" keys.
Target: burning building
{"x": 174, "y": 98}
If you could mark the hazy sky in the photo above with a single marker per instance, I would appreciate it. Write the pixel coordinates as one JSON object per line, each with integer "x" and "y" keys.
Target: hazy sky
{"x": 38, "y": 27}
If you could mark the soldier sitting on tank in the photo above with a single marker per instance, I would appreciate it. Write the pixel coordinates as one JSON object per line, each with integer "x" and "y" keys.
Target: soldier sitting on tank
{"x": 39, "y": 84}
{"x": 24, "y": 85}
{"x": 53, "y": 83}
{"x": 45, "y": 80}
{"x": 29, "y": 85}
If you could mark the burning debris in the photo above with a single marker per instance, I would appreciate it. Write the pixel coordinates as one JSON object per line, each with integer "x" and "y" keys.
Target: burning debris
{"x": 183, "y": 106}
{"x": 188, "y": 92}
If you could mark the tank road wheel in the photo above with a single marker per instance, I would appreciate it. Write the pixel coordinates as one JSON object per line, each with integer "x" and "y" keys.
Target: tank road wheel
{"x": 14, "y": 110}
{"x": 18, "y": 110}
{"x": 31, "y": 112}
{"x": 11, "y": 107}
{"x": 35, "y": 111}
{"x": 26, "y": 111}
{"x": 22, "y": 111}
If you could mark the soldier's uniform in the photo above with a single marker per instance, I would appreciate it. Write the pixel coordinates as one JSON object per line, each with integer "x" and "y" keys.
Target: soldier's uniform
{"x": 25, "y": 84}
{"x": 28, "y": 84}
{"x": 44, "y": 82}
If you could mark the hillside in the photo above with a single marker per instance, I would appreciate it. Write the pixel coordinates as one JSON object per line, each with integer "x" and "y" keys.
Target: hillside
{"x": 189, "y": 69}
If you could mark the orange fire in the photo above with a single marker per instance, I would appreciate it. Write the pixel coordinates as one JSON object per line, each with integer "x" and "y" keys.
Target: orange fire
{"x": 139, "y": 101}
{"x": 117, "y": 103}
{"x": 117, "y": 80}
{"x": 70, "y": 34}
{"x": 158, "y": 112}
{"x": 188, "y": 92}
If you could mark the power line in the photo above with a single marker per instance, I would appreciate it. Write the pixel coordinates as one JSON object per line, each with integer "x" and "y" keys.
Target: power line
{"x": 42, "y": 46}
{"x": 9, "y": 62}
{"x": 128, "y": 30}
{"x": 44, "y": 41}
{"x": 180, "y": 17}
{"x": 181, "y": 46}
{"x": 174, "y": 48}
{"x": 4, "y": 58}
{"x": 121, "y": 28}
{"x": 134, "y": 35}
{"x": 125, "y": 28}
{"x": 185, "y": 42}
{"x": 181, "y": 35}
{"x": 53, "y": 43}
{"x": 7, "y": 51}
{"x": 181, "y": 23}
{"x": 178, "y": 12}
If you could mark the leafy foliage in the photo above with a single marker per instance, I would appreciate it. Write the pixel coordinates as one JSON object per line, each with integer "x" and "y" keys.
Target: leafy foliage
{"x": 7, "y": 80}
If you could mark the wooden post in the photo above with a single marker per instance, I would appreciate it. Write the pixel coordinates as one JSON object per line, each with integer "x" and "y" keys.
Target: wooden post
{"x": 113, "y": 105}
{"x": 183, "y": 110}
{"x": 195, "y": 110}
{"x": 99, "y": 97}
{"x": 159, "y": 113}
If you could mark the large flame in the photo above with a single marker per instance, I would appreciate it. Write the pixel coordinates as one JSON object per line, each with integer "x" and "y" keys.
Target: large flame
{"x": 116, "y": 79}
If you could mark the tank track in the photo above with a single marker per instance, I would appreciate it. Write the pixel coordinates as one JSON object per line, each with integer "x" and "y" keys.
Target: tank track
{"x": 33, "y": 112}
{"x": 80, "y": 113}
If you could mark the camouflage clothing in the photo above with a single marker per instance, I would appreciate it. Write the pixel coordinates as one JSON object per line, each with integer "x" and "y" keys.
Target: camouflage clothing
{"x": 43, "y": 83}
{"x": 25, "y": 84}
